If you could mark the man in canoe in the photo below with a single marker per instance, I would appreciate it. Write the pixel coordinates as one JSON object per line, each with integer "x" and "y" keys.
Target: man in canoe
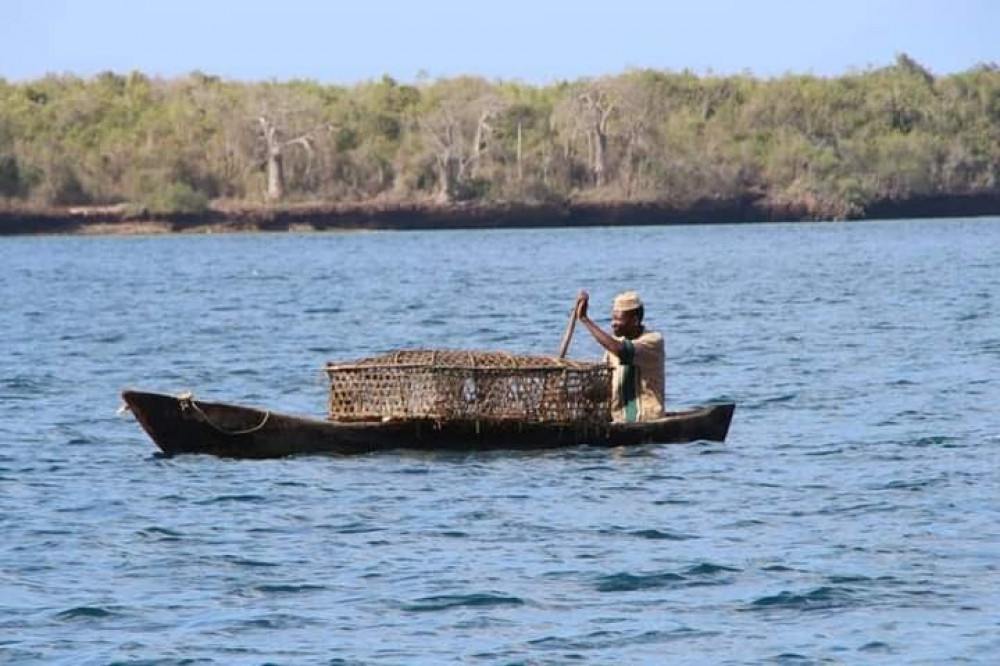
{"x": 635, "y": 355}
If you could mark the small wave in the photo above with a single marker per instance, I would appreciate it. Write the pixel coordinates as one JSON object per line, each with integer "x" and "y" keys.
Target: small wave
{"x": 269, "y": 530}
{"x": 825, "y": 452}
{"x": 288, "y": 588}
{"x": 913, "y": 486}
{"x": 244, "y": 562}
{"x": 822, "y": 598}
{"x": 291, "y": 484}
{"x": 658, "y": 535}
{"x": 326, "y": 350}
{"x": 709, "y": 569}
{"x": 931, "y": 440}
{"x": 876, "y": 646}
{"x": 600, "y": 640}
{"x": 22, "y": 383}
{"x": 84, "y": 613}
{"x": 449, "y": 601}
{"x": 597, "y": 468}
{"x": 748, "y": 522}
{"x": 990, "y": 346}
{"x": 277, "y": 621}
{"x": 161, "y": 662}
{"x": 859, "y": 579}
{"x": 772, "y": 400}
{"x": 857, "y": 509}
{"x": 627, "y": 582}
{"x": 651, "y": 478}
{"x": 357, "y": 528}
{"x": 51, "y": 531}
{"x": 160, "y": 533}
{"x": 410, "y": 470}
{"x": 224, "y": 499}
{"x": 700, "y": 359}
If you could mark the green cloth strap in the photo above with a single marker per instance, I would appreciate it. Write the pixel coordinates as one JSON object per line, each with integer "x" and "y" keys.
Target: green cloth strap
{"x": 627, "y": 354}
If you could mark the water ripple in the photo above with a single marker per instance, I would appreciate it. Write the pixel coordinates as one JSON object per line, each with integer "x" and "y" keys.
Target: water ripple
{"x": 85, "y": 613}
{"x": 602, "y": 640}
{"x": 452, "y": 601}
{"x": 850, "y": 516}
{"x": 659, "y": 535}
{"x": 820, "y": 598}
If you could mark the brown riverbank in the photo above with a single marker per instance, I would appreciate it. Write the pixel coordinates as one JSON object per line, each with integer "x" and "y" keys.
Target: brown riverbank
{"x": 121, "y": 220}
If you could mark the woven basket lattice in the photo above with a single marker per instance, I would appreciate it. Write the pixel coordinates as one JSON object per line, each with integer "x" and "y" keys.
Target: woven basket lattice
{"x": 465, "y": 385}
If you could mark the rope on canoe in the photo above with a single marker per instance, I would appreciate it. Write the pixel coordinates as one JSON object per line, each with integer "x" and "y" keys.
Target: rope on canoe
{"x": 187, "y": 400}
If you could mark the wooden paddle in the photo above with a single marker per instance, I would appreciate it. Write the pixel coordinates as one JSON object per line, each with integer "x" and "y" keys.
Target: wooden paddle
{"x": 568, "y": 335}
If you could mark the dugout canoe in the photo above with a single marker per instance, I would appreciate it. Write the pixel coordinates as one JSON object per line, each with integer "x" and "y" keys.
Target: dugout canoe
{"x": 182, "y": 424}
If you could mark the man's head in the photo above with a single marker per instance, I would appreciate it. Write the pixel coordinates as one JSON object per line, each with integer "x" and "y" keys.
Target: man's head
{"x": 626, "y": 315}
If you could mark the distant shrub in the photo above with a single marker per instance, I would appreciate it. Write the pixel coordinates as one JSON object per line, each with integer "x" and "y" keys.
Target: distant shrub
{"x": 62, "y": 187}
{"x": 473, "y": 189}
{"x": 10, "y": 177}
{"x": 172, "y": 198}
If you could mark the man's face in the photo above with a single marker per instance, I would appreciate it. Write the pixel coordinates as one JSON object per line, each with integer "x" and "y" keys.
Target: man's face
{"x": 623, "y": 323}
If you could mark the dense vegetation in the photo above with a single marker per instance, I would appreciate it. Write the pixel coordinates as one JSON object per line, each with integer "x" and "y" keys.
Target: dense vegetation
{"x": 832, "y": 145}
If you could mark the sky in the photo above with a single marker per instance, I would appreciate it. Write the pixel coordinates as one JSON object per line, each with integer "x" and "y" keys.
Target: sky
{"x": 533, "y": 41}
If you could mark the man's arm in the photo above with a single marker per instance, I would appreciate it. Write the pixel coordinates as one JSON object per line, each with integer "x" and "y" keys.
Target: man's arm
{"x": 603, "y": 338}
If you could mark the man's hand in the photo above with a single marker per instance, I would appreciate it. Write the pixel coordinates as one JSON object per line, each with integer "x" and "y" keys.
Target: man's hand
{"x": 609, "y": 342}
{"x": 582, "y": 300}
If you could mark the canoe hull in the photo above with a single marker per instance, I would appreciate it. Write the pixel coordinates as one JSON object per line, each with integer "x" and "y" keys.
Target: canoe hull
{"x": 184, "y": 425}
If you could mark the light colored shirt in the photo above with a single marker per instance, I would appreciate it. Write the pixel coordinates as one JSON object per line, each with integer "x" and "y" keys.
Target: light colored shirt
{"x": 637, "y": 380}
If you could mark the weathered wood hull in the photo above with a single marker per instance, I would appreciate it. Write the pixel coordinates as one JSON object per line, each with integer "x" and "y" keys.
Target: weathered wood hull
{"x": 184, "y": 425}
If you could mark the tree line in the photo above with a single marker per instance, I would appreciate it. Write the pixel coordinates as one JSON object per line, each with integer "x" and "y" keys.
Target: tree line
{"x": 832, "y": 145}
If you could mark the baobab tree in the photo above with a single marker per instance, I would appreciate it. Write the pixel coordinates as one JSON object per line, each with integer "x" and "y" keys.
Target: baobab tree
{"x": 590, "y": 110}
{"x": 642, "y": 105}
{"x": 281, "y": 118}
{"x": 276, "y": 146}
{"x": 457, "y": 125}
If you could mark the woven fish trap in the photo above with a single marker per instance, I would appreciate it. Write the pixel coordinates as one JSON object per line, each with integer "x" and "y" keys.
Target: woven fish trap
{"x": 467, "y": 385}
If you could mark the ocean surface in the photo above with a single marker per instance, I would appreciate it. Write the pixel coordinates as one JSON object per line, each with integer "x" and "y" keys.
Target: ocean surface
{"x": 852, "y": 517}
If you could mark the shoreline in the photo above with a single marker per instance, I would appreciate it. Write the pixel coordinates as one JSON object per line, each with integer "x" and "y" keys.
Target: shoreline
{"x": 381, "y": 216}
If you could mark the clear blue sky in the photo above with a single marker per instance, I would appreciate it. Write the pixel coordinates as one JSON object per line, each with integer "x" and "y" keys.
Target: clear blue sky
{"x": 536, "y": 41}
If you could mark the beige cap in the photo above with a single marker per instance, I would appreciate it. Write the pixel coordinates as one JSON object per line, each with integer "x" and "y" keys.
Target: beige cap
{"x": 626, "y": 301}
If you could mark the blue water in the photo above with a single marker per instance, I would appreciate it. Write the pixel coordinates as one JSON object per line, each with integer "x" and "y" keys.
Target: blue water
{"x": 853, "y": 516}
